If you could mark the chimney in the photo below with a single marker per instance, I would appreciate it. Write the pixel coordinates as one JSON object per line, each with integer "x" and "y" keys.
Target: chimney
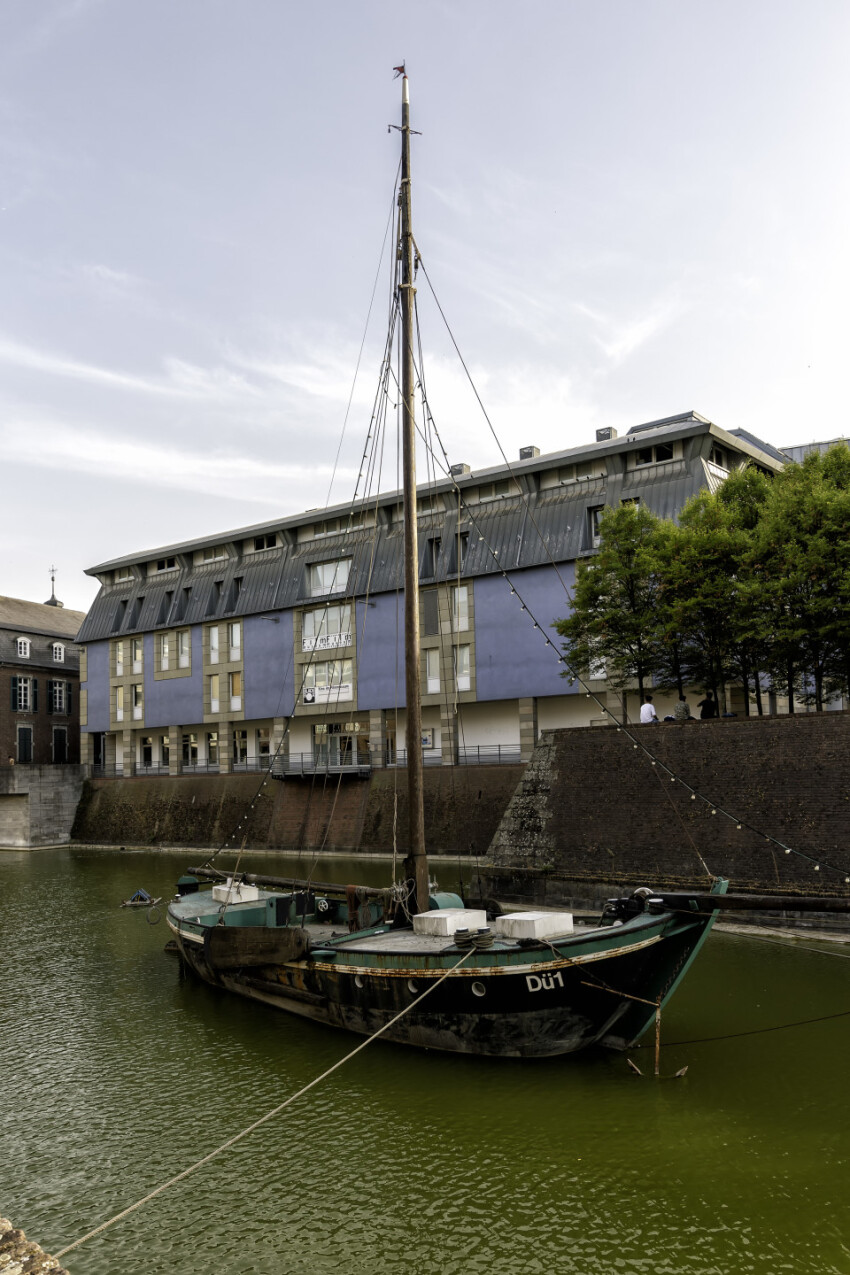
{"x": 605, "y": 435}
{"x": 528, "y": 453}
{"x": 457, "y": 471}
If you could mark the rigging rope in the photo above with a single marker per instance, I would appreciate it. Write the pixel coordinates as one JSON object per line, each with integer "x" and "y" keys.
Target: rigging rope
{"x": 263, "y": 1119}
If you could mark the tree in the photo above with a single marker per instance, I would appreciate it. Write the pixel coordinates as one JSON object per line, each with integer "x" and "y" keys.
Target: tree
{"x": 613, "y": 623}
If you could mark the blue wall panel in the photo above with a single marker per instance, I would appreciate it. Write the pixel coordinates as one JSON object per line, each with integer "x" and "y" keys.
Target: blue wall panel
{"x": 97, "y": 687}
{"x": 174, "y": 700}
{"x": 269, "y": 678}
{"x": 511, "y": 656}
{"x": 380, "y": 652}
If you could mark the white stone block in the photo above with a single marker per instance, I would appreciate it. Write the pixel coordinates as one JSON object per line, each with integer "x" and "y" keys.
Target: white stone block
{"x": 533, "y": 925}
{"x": 240, "y": 893}
{"x": 444, "y": 921}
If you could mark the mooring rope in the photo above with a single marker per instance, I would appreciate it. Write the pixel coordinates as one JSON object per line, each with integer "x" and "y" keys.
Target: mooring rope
{"x": 263, "y": 1119}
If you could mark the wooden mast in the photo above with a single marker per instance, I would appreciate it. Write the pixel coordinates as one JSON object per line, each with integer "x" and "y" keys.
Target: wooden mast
{"x": 417, "y": 861}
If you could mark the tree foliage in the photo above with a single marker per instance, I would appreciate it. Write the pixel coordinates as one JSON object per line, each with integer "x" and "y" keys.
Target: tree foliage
{"x": 751, "y": 585}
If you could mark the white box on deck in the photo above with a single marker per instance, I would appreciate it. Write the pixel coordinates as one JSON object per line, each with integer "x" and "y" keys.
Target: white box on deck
{"x": 240, "y": 893}
{"x": 533, "y": 925}
{"x": 444, "y": 921}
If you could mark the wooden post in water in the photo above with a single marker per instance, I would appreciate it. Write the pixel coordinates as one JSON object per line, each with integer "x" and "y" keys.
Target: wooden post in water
{"x": 417, "y": 858}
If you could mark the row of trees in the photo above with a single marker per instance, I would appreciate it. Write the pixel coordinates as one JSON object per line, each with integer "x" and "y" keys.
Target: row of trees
{"x": 752, "y": 586}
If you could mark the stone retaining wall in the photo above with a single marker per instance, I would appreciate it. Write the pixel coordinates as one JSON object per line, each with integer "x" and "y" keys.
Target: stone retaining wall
{"x": 20, "y": 1256}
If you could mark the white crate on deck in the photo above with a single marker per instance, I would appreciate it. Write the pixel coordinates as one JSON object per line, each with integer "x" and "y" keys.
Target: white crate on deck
{"x": 533, "y": 925}
{"x": 240, "y": 893}
{"x": 443, "y": 922}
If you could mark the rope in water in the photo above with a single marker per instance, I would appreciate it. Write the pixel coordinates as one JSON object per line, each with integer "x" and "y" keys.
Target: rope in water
{"x": 263, "y": 1119}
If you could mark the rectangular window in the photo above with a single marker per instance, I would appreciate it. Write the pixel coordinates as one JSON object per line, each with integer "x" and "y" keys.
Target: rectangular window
{"x": 234, "y": 640}
{"x": 23, "y": 647}
{"x": 265, "y": 542}
{"x": 166, "y": 564}
{"x": 146, "y": 751}
{"x": 460, "y": 608}
{"x": 122, "y": 573}
{"x": 58, "y": 653}
{"x": 58, "y": 697}
{"x": 328, "y": 680}
{"x": 183, "y": 649}
{"x": 240, "y": 746}
{"x": 164, "y": 749}
{"x": 430, "y": 613}
{"x": 462, "y": 667}
{"x": 214, "y": 553}
{"x": 234, "y": 686}
{"x": 326, "y": 628}
{"x": 263, "y": 741}
{"x": 214, "y": 644}
{"x": 212, "y": 747}
{"x": 164, "y": 653}
{"x": 119, "y": 703}
{"x": 137, "y": 695}
{"x": 214, "y": 688}
{"x": 594, "y": 517}
{"x": 432, "y": 670}
{"x": 119, "y": 658}
{"x": 498, "y": 490}
{"x": 24, "y": 694}
{"x": 136, "y": 651}
{"x": 461, "y": 546}
{"x": 432, "y": 556}
{"x": 190, "y": 749}
{"x": 329, "y": 577}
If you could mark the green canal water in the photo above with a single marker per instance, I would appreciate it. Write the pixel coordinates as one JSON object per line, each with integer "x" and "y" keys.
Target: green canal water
{"x": 117, "y": 1072}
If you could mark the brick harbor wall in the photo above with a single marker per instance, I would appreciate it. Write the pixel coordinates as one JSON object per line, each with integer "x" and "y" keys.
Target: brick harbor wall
{"x": 592, "y": 814}
{"x": 462, "y": 810}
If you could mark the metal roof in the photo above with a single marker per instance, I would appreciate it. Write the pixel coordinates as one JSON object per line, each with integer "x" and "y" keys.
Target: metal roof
{"x": 39, "y": 617}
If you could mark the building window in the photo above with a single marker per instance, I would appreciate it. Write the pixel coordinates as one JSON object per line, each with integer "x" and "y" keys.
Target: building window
{"x": 462, "y": 666}
{"x": 498, "y": 490}
{"x": 234, "y": 688}
{"x": 23, "y": 646}
{"x": 430, "y": 613}
{"x": 265, "y": 542}
{"x": 146, "y": 751}
{"x": 432, "y": 556}
{"x": 339, "y": 526}
{"x": 594, "y": 517}
{"x": 119, "y": 703}
{"x": 214, "y": 688}
{"x": 190, "y": 749}
{"x": 328, "y": 680}
{"x": 183, "y": 649}
{"x": 24, "y": 696}
{"x": 432, "y": 670}
{"x": 717, "y": 456}
{"x": 58, "y": 653}
{"x": 212, "y": 747}
{"x": 461, "y": 546}
{"x": 164, "y": 749}
{"x": 136, "y": 652}
{"x": 329, "y": 577}
{"x": 213, "y": 632}
{"x": 326, "y": 628}
{"x": 164, "y": 653}
{"x": 213, "y": 554}
{"x": 57, "y": 697}
{"x": 658, "y": 454}
{"x": 240, "y": 746}
{"x": 137, "y": 697}
{"x": 234, "y": 641}
{"x": 263, "y": 741}
{"x": 166, "y": 564}
{"x": 119, "y": 658}
{"x": 121, "y": 574}
{"x": 460, "y": 608}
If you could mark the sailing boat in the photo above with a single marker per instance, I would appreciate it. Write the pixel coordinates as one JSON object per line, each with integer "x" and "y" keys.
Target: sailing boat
{"x": 420, "y": 968}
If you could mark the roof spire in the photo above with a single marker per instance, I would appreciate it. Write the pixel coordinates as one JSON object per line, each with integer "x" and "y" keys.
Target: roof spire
{"x": 53, "y": 601}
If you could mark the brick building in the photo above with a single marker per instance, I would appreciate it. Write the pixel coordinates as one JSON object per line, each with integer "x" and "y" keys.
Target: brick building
{"x": 39, "y": 683}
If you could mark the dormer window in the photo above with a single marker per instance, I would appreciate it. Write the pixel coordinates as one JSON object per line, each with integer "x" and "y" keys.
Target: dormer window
{"x": 658, "y": 454}
{"x": 122, "y": 574}
{"x": 166, "y": 564}
{"x": 213, "y": 553}
{"x": 23, "y": 646}
{"x": 265, "y": 542}
{"x": 498, "y": 490}
{"x": 58, "y": 653}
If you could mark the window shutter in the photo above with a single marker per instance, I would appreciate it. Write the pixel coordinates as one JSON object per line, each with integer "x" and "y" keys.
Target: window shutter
{"x": 68, "y": 686}
{"x": 50, "y": 695}
{"x": 35, "y": 694}
{"x": 13, "y": 684}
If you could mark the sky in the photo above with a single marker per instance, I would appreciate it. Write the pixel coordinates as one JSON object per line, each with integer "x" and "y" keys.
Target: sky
{"x": 626, "y": 209}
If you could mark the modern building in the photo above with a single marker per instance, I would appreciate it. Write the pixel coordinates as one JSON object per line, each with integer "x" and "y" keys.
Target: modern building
{"x": 39, "y": 683}
{"x": 284, "y": 639}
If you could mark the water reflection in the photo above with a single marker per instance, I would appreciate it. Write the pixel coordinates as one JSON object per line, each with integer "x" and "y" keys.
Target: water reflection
{"x": 118, "y": 1072}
